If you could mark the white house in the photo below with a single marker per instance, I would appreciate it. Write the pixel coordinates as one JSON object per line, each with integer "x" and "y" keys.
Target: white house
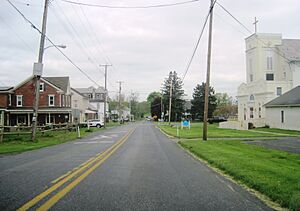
{"x": 81, "y": 110}
{"x": 96, "y": 98}
{"x": 272, "y": 68}
{"x": 284, "y": 111}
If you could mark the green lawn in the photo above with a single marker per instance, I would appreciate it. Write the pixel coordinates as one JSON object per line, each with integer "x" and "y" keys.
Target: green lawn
{"x": 215, "y": 132}
{"x": 21, "y": 143}
{"x": 273, "y": 173}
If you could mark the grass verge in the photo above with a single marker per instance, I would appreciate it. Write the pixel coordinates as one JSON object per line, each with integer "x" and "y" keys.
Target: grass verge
{"x": 273, "y": 173}
{"x": 22, "y": 143}
{"x": 215, "y": 132}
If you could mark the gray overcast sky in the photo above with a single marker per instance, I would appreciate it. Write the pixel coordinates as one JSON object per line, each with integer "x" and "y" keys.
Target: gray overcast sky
{"x": 142, "y": 44}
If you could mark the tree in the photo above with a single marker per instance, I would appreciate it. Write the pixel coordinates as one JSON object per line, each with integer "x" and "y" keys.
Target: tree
{"x": 154, "y": 99}
{"x": 177, "y": 96}
{"x": 225, "y": 106}
{"x": 133, "y": 103}
{"x": 197, "y": 109}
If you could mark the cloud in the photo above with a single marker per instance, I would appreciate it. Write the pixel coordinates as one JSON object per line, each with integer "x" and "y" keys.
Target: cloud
{"x": 143, "y": 45}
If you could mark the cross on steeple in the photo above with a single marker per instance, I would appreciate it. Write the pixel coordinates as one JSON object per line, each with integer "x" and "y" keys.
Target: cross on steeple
{"x": 255, "y": 24}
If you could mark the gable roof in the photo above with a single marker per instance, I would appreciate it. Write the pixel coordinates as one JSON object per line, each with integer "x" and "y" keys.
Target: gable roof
{"x": 290, "y": 98}
{"x": 5, "y": 88}
{"x": 74, "y": 90}
{"x": 60, "y": 82}
{"x": 90, "y": 89}
{"x": 291, "y": 49}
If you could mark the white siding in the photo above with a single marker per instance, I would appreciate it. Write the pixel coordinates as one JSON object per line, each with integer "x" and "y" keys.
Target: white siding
{"x": 291, "y": 118}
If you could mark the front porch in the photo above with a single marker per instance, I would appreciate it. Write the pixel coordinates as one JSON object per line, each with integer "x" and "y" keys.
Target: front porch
{"x": 19, "y": 117}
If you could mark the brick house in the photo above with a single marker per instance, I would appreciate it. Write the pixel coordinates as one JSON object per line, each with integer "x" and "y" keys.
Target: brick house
{"x": 54, "y": 102}
{"x": 4, "y": 97}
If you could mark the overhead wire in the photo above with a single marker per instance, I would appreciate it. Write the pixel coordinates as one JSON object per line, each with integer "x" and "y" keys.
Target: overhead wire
{"x": 95, "y": 37}
{"x": 276, "y": 50}
{"x": 49, "y": 40}
{"x": 75, "y": 36}
{"x": 18, "y": 36}
{"x": 131, "y": 7}
{"x": 80, "y": 43}
{"x": 198, "y": 40}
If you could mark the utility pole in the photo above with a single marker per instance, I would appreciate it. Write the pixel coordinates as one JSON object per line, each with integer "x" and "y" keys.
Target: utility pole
{"x": 170, "y": 98}
{"x": 37, "y": 72}
{"x": 105, "y": 90}
{"x": 120, "y": 89}
{"x": 208, "y": 72}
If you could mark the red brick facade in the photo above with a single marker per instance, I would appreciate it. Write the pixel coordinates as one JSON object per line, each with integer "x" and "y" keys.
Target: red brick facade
{"x": 27, "y": 92}
{"x": 22, "y": 113}
{"x": 3, "y": 100}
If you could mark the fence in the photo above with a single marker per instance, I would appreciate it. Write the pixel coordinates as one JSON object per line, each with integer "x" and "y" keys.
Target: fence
{"x": 26, "y": 130}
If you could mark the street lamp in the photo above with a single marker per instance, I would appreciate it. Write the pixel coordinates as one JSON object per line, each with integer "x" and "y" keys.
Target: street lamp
{"x": 59, "y": 46}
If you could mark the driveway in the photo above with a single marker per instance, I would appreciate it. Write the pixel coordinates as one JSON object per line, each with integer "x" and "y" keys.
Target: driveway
{"x": 286, "y": 144}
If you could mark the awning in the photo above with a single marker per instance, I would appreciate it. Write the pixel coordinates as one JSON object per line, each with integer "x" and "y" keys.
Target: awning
{"x": 89, "y": 112}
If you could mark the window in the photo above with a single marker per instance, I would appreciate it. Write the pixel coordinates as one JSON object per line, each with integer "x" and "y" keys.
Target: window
{"x": 259, "y": 112}
{"x": 269, "y": 54}
{"x": 282, "y": 116}
{"x": 270, "y": 77}
{"x": 19, "y": 100}
{"x": 251, "y": 98}
{"x": 245, "y": 113}
{"x": 51, "y": 100}
{"x": 250, "y": 65}
{"x": 251, "y": 77}
{"x": 75, "y": 103}
{"x": 90, "y": 96}
{"x": 9, "y": 100}
{"x": 42, "y": 87}
{"x": 269, "y": 63}
{"x": 279, "y": 91}
{"x": 251, "y": 113}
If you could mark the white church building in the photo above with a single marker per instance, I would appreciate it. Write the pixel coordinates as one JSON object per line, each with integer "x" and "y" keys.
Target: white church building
{"x": 272, "y": 68}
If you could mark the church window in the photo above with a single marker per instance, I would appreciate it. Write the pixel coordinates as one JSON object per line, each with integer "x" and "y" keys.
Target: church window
{"x": 270, "y": 77}
{"x": 279, "y": 91}
{"x": 269, "y": 60}
{"x": 251, "y": 113}
{"x": 251, "y": 77}
{"x": 269, "y": 63}
{"x": 251, "y": 98}
{"x": 259, "y": 112}
{"x": 282, "y": 116}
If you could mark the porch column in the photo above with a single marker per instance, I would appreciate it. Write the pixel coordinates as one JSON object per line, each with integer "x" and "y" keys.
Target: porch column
{"x": 49, "y": 118}
{"x": 28, "y": 119}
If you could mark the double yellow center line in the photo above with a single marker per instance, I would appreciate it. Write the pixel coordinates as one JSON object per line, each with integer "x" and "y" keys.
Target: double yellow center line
{"x": 84, "y": 169}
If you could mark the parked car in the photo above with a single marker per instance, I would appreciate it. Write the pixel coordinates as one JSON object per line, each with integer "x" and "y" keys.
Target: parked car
{"x": 216, "y": 119}
{"x": 95, "y": 123}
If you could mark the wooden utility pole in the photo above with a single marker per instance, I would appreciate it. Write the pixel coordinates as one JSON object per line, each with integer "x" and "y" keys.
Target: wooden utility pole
{"x": 208, "y": 72}
{"x": 170, "y": 98}
{"x": 37, "y": 72}
{"x": 105, "y": 90}
{"x": 120, "y": 90}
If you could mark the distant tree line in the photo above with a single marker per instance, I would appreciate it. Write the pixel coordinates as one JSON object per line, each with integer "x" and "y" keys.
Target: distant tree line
{"x": 220, "y": 104}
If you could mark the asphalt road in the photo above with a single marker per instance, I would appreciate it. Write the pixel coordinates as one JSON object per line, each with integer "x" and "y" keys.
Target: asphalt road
{"x": 133, "y": 167}
{"x": 286, "y": 144}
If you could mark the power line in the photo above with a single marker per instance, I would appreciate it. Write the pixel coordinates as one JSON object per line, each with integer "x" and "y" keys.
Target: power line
{"x": 198, "y": 41}
{"x": 248, "y": 30}
{"x": 276, "y": 50}
{"x": 49, "y": 40}
{"x": 17, "y": 35}
{"x": 131, "y": 7}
